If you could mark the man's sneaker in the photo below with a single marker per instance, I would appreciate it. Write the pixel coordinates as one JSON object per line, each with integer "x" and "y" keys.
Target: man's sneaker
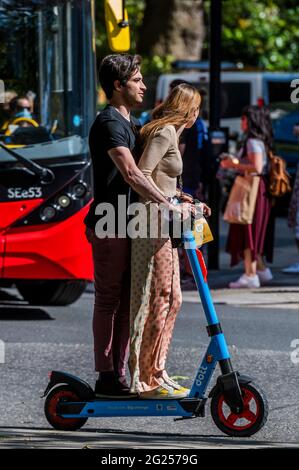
{"x": 245, "y": 282}
{"x": 164, "y": 392}
{"x": 113, "y": 388}
{"x": 292, "y": 269}
{"x": 168, "y": 381}
{"x": 265, "y": 275}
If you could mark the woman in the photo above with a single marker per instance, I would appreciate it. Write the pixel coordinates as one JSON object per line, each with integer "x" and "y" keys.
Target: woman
{"x": 155, "y": 288}
{"x": 249, "y": 242}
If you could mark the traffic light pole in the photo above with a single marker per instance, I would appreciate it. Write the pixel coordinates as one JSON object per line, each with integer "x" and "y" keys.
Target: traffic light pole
{"x": 215, "y": 135}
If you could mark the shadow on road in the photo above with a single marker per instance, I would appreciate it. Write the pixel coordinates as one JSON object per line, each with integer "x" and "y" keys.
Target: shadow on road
{"x": 108, "y": 438}
{"x": 9, "y": 297}
{"x": 12, "y": 307}
{"x": 21, "y": 312}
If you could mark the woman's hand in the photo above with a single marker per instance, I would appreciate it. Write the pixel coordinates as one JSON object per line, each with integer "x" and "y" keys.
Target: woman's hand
{"x": 229, "y": 163}
{"x": 184, "y": 197}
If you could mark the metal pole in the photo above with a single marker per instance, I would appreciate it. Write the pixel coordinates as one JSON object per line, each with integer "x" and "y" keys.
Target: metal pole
{"x": 214, "y": 118}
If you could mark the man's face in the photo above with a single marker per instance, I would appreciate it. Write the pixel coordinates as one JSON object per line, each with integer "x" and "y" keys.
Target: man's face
{"x": 23, "y": 103}
{"x": 134, "y": 89}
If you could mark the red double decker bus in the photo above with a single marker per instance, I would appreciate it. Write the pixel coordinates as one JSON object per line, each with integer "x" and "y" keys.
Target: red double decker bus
{"x": 48, "y": 67}
{"x": 47, "y": 56}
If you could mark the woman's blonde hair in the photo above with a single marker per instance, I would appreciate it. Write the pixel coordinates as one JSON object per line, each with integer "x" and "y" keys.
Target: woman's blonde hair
{"x": 177, "y": 109}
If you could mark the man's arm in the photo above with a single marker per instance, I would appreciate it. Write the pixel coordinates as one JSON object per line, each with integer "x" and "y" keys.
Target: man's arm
{"x": 124, "y": 161}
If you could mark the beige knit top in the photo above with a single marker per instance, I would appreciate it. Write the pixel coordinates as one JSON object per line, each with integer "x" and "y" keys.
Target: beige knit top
{"x": 161, "y": 161}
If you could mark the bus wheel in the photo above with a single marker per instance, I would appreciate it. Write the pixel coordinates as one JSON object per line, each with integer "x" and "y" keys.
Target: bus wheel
{"x": 51, "y": 292}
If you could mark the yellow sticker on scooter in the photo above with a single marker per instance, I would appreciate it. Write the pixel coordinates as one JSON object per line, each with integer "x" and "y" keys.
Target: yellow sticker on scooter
{"x": 118, "y": 37}
{"x": 202, "y": 232}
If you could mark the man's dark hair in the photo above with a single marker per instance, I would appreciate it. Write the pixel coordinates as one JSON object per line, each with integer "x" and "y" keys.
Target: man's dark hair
{"x": 13, "y": 104}
{"x": 117, "y": 67}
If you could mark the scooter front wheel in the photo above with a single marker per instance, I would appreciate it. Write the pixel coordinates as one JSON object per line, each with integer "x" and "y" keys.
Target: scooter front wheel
{"x": 59, "y": 395}
{"x": 246, "y": 423}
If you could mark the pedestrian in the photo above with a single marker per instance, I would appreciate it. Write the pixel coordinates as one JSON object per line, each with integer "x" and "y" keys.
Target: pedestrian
{"x": 113, "y": 150}
{"x": 193, "y": 146}
{"x": 194, "y": 149}
{"x": 249, "y": 242}
{"x": 293, "y": 214}
{"x": 155, "y": 289}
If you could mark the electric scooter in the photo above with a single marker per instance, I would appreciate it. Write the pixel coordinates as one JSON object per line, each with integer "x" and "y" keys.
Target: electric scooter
{"x": 238, "y": 407}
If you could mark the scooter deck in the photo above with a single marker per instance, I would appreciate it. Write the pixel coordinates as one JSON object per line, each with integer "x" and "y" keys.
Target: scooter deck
{"x": 185, "y": 407}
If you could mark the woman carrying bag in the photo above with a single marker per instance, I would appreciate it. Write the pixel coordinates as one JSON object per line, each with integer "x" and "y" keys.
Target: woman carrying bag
{"x": 248, "y": 241}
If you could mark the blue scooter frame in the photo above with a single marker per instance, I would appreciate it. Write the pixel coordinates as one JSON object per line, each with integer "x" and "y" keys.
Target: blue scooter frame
{"x": 238, "y": 407}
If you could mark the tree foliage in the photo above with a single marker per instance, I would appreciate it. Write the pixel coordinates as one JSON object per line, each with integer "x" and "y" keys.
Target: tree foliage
{"x": 263, "y": 34}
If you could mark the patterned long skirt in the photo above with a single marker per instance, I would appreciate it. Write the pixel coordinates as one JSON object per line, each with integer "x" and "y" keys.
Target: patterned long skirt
{"x": 156, "y": 299}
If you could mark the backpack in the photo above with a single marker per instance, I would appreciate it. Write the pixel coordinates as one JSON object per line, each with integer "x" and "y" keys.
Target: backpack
{"x": 279, "y": 179}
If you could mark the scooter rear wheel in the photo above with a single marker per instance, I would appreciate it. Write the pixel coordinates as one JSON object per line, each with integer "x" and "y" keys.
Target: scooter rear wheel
{"x": 58, "y": 395}
{"x": 246, "y": 423}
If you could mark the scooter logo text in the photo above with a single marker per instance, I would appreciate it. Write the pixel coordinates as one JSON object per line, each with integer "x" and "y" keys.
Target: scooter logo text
{"x": 201, "y": 375}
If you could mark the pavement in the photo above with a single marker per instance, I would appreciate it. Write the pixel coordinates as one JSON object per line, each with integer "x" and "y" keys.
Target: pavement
{"x": 285, "y": 253}
{"x": 280, "y": 295}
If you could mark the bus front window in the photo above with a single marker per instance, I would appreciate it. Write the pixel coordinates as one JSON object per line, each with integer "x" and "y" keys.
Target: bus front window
{"x": 36, "y": 66}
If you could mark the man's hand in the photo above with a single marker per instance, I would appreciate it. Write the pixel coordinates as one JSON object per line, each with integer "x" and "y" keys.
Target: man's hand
{"x": 124, "y": 161}
{"x": 185, "y": 209}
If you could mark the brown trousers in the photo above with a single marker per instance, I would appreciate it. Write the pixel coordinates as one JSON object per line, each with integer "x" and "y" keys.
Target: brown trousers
{"x": 112, "y": 278}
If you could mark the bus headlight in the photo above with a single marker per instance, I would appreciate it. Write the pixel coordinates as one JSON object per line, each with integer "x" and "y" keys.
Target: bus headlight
{"x": 64, "y": 201}
{"x": 79, "y": 189}
{"x": 47, "y": 213}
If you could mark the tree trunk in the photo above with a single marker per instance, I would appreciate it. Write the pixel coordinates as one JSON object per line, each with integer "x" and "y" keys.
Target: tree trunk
{"x": 173, "y": 27}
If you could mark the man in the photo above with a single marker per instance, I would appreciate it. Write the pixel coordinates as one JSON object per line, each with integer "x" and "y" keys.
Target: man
{"x": 19, "y": 107}
{"x": 112, "y": 142}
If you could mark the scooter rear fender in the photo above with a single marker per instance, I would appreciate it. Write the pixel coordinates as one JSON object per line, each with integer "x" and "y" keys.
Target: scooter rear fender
{"x": 81, "y": 387}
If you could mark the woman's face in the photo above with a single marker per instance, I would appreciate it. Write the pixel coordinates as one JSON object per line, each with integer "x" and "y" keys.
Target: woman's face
{"x": 244, "y": 123}
{"x": 193, "y": 119}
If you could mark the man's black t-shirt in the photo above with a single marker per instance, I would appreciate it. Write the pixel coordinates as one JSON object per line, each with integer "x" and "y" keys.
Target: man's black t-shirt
{"x": 109, "y": 130}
